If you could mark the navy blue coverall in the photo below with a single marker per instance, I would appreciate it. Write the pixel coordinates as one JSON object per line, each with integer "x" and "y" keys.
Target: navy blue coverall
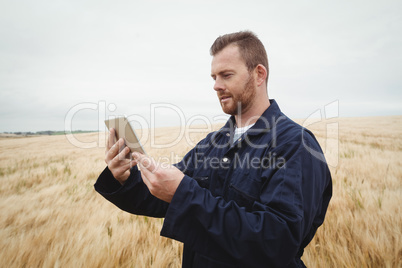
{"x": 254, "y": 202}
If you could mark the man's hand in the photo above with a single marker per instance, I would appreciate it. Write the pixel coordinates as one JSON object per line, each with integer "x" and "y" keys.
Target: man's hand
{"x": 116, "y": 161}
{"x": 162, "y": 182}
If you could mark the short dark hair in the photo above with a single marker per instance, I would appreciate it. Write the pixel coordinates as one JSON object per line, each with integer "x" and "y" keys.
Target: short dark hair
{"x": 250, "y": 47}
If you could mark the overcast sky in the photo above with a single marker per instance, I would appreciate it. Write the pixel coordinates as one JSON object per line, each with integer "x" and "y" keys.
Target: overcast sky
{"x": 81, "y": 61}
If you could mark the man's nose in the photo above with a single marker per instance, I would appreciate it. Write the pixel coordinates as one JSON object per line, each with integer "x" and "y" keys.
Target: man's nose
{"x": 218, "y": 85}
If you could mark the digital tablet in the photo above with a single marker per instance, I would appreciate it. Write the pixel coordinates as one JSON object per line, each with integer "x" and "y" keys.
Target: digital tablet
{"x": 125, "y": 131}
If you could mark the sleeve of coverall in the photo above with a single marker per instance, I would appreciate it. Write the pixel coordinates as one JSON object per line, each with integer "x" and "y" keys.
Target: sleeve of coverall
{"x": 133, "y": 197}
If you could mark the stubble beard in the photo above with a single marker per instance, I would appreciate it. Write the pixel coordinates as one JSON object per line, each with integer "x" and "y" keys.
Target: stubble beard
{"x": 242, "y": 102}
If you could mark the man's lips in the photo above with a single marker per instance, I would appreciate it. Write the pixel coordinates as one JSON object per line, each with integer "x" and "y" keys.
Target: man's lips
{"x": 225, "y": 98}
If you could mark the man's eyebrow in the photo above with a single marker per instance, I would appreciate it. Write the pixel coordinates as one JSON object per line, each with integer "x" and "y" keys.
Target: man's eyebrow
{"x": 221, "y": 72}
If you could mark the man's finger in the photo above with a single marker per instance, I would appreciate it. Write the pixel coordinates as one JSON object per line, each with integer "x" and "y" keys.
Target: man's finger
{"x": 146, "y": 176}
{"x": 144, "y": 169}
{"x": 133, "y": 163}
{"x": 114, "y": 150}
{"x": 122, "y": 155}
{"x": 120, "y": 162}
{"x": 123, "y": 167}
{"x": 145, "y": 162}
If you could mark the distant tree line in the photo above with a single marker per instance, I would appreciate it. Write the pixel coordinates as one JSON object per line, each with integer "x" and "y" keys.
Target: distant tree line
{"x": 47, "y": 132}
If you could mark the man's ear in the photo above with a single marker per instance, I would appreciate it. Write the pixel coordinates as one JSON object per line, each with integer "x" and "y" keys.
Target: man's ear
{"x": 261, "y": 73}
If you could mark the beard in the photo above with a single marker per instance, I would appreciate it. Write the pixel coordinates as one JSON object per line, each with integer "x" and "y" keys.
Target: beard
{"x": 243, "y": 101}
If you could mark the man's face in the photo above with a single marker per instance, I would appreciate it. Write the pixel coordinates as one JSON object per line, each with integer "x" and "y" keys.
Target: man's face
{"x": 234, "y": 84}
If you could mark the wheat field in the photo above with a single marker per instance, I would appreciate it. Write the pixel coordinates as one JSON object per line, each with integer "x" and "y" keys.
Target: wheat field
{"x": 52, "y": 217}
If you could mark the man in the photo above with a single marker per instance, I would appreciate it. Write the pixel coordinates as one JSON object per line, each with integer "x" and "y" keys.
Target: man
{"x": 249, "y": 195}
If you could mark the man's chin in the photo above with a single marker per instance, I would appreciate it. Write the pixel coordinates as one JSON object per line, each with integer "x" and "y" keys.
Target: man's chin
{"x": 229, "y": 110}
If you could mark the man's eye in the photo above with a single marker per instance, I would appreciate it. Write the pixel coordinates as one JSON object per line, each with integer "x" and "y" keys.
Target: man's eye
{"x": 227, "y": 75}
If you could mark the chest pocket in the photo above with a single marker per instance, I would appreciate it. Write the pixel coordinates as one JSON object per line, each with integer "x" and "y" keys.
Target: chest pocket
{"x": 244, "y": 189}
